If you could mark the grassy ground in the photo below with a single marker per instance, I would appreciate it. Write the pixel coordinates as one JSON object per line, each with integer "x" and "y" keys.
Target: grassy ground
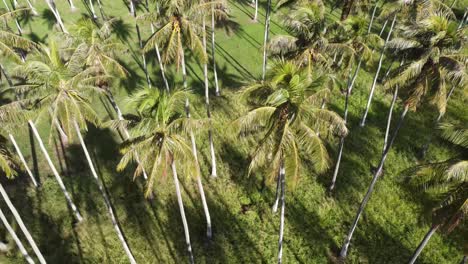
{"x": 245, "y": 231}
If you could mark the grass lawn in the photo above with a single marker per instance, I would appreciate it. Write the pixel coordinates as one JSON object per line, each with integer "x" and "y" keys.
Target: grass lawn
{"x": 245, "y": 230}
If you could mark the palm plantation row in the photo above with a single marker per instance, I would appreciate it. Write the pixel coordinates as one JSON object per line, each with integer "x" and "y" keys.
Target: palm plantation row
{"x": 289, "y": 126}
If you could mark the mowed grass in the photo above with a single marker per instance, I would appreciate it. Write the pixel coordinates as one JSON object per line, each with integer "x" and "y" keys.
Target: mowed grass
{"x": 245, "y": 230}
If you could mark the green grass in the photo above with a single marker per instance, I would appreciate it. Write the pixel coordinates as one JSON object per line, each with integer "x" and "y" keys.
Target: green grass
{"x": 245, "y": 230}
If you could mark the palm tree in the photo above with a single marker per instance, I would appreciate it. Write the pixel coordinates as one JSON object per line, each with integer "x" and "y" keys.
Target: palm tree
{"x": 33, "y": 10}
{"x": 217, "y": 12}
{"x": 309, "y": 42}
{"x": 157, "y": 136}
{"x": 434, "y": 61}
{"x": 63, "y": 89}
{"x": 444, "y": 179}
{"x": 179, "y": 28}
{"x": 288, "y": 117}
{"x": 6, "y": 163}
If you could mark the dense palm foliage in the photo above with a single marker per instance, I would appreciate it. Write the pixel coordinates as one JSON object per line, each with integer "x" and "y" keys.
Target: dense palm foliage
{"x": 79, "y": 85}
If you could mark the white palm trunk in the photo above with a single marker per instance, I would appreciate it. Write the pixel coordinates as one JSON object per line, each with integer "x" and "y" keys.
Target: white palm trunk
{"x": 72, "y": 6}
{"x": 124, "y": 130}
{"x": 104, "y": 195}
{"x": 161, "y": 66}
{"x": 282, "y": 175}
{"x": 184, "y": 70}
{"x": 91, "y": 7}
{"x": 182, "y": 212}
{"x": 21, "y": 225}
{"x": 265, "y": 39}
{"x": 56, "y": 13}
{"x": 100, "y": 8}
{"x": 132, "y": 8}
{"x": 209, "y": 233}
{"x": 256, "y": 11}
{"x": 378, "y": 171}
{"x": 55, "y": 172}
{"x": 389, "y": 119}
{"x": 25, "y": 164}
{"x": 33, "y": 10}
{"x": 208, "y": 112}
{"x": 278, "y": 193}
{"x": 15, "y": 238}
{"x": 213, "y": 51}
{"x": 462, "y": 22}
{"x": 18, "y": 26}
{"x": 374, "y": 83}
{"x": 423, "y": 243}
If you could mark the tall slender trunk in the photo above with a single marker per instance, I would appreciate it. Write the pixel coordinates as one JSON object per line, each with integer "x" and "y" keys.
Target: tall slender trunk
{"x": 18, "y": 26}
{"x": 91, "y": 7}
{"x": 374, "y": 83}
{"x": 56, "y": 13}
{"x": 21, "y": 225}
{"x": 209, "y": 232}
{"x": 282, "y": 175}
{"x": 15, "y": 238}
{"x": 110, "y": 97}
{"x": 265, "y": 39}
{"x": 351, "y": 80}
{"x": 33, "y": 10}
{"x": 184, "y": 70}
{"x": 161, "y": 66}
{"x": 389, "y": 118}
{"x": 101, "y": 10}
{"x": 132, "y": 8}
{"x": 140, "y": 44}
{"x": 72, "y": 6}
{"x": 208, "y": 111}
{"x": 182, "y": 212}
{"x": 372, "y": 19}
{"x": 423, "y": 243}
{"x": 463, "y": 19}
{"x": 213, "y": 51}
{"x": 383, "y": 28}
{"x": 344, "y": 249}
{"x": 256, "y": 11}
{"x": 25, "y": 164}
{"x": 277, "y": 195}
{"x": 464, "y": 260}
{"x": 110, "y": 210}
{"x": 55, "y": 172}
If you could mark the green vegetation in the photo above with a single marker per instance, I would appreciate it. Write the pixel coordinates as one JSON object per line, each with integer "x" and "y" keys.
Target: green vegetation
{"x": 92, "y": 82}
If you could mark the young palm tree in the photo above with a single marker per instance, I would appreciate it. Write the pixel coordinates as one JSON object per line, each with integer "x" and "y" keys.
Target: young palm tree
{"x": 63, "y": 89}
{"x": 446, "y": 179}
{"x": 158, "y": 135}
{"x": 288, "y": 117}
{"x": 434, "y": 61}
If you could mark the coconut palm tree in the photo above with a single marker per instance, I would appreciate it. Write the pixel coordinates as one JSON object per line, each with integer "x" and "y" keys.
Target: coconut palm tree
{"x": 217, "y": 12}
{"x": 157, "y": 133}
{"x": 287, "y": 116}
{"x": 309, "y": 41}
{"x": 178, "y": 29}
{"x": 64, "y": 89}
{"x": 447, "y": 179}
{"x": 432, "y": 46}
